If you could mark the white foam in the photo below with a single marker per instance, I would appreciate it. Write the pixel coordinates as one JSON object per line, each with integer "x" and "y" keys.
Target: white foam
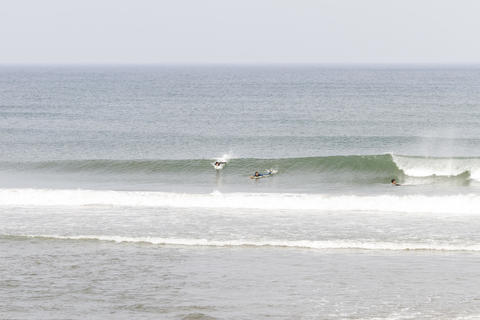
{"x": 308, "y": 244}
{"x": 225, "y": 158}
{"x": 424, "y": 167}
{"x": 464, "y": 203}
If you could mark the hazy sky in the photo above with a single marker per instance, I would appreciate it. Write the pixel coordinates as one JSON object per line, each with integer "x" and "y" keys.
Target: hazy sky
{"x": 242, "y": 31}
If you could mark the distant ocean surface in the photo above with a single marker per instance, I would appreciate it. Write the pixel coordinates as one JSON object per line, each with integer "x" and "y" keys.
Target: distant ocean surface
{"x": 110, "y": 205}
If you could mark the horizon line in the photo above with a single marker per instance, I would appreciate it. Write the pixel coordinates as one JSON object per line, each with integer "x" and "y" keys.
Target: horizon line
{"x": 325, "y": 64}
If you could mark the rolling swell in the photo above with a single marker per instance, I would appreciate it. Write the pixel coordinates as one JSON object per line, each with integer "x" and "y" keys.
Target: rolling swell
{"x": 372, "y": 168}
{"x": 372, "y": 163}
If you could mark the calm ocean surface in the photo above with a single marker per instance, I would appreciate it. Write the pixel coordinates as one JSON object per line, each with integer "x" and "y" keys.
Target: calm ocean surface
{"x": 110, "y": 205}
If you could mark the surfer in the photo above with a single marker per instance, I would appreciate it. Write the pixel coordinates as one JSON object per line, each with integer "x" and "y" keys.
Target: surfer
{"x": 394, "y": 182}
{"x": 257, "y": 175}
{"x": 267, "y": 173}
{"x": 219, "y": 164}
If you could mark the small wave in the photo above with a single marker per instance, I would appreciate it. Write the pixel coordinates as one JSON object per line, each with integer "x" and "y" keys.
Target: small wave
{"x": 455, "y": 204}
{"x": 306, "y": 244}
{"x": 373, "y": 163}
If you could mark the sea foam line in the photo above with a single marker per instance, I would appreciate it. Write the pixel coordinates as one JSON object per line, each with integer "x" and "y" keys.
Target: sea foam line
{"x": 305, "y": 244}
{"x": 453, "y": 204}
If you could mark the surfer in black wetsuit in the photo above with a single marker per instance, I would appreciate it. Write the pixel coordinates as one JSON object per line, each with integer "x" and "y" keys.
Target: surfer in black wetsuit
{"x": 394, "y": 183}
{"x": 256, "y": 175}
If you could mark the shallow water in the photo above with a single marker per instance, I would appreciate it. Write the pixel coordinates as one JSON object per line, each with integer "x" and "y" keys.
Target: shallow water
{"x": 57, "y": 279}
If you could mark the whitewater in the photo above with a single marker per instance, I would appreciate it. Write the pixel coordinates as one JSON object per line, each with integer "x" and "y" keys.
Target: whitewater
{"x": 454, "y": 204}
{"x": 325, "y": 245}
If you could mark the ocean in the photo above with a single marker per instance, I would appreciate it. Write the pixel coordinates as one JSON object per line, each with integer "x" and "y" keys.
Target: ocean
{"x": 110, "y": 206}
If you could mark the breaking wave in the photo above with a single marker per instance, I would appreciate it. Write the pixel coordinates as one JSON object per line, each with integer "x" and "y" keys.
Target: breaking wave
{"x": 307, "y": 244}
{"x": 362, "y": 168}
{"x": 462, "y": 203}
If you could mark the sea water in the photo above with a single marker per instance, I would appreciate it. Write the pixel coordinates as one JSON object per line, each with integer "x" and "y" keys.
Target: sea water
{"x": 110, "y": 206}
